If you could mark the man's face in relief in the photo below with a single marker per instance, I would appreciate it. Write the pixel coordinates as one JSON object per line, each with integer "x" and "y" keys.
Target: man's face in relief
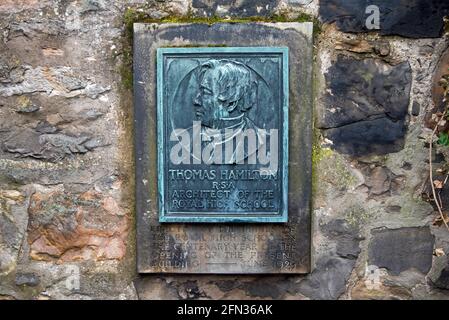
{"x": 208, "y": 108}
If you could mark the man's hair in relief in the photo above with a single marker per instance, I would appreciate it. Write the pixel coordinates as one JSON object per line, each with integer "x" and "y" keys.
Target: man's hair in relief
{"x": 235, "y": 83}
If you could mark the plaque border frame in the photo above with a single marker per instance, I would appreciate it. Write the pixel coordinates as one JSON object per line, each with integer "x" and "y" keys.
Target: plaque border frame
{"x": 282, "y": 215}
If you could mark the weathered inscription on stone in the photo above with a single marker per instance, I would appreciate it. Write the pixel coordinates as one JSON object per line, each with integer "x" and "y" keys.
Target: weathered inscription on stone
{"x": 216, "y": 129}
{"x": 230, "y": 245}
{"x": 223, "y": 138}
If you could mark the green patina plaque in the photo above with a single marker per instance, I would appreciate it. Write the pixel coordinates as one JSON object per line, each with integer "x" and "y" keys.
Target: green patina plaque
{"x": 223, "y": 134}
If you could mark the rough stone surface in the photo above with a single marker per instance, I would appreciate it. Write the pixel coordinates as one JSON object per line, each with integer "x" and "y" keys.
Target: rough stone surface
{"x": 13, "y": 221}
{"x": 380, "y": 180}
{"x": 408, "y": 18}
{"x": 300, "y": 2}
{"x": 442, "y": 70}
{"x": 346, "y": 236}
{"x": 401, "y": 249}
{"x": 54, "y": 82}
{"x": 415, "y": 109}
{"x": 377, "y": 136}
{"x": 360, "y": 90}
{"x": 382, "y": 48}
{"x": 439, "y": 274}
{"x": 69, "y": 227}
{"x": 365, "y": 107}
{"x": 442, "y": 281}
{"x": 245, "y": 8}
{"x": 389, "y": 287}
{"x": 27, "y": 279}
{"x": 329, "y": 279}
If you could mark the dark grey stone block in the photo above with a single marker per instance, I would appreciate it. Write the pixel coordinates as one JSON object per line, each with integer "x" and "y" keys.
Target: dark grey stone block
{"x": 442, "y": 281}
{"x": 346, "y": 236}
{"x": 268, "y": 288}
{"x": 401, "y": 249}
{"x": 366, "y": 105}
{"x": 365, "y": 89}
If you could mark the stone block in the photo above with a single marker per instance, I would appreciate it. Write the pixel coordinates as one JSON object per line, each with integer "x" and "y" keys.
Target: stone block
{"x": 407, "y": 18}
{"x": 401, "y": 249}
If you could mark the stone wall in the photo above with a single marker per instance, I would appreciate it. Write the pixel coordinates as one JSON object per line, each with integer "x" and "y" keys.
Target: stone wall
{"x": 67, "y": 218}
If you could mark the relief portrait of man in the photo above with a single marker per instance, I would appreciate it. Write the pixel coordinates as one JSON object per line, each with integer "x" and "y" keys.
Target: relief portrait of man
{"x": 227, "y": 91}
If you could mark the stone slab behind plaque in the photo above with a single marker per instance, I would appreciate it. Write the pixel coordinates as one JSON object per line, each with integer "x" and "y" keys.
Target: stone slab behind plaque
{"x": 259, "y": 222}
